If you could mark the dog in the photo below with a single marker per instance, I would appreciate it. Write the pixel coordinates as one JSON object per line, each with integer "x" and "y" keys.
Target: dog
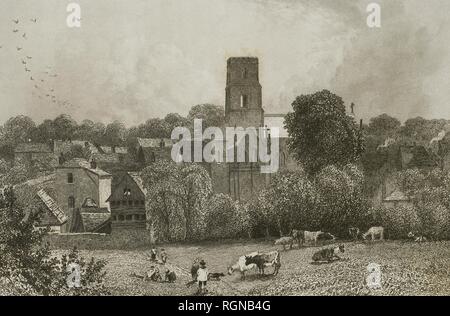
{"x": 328, "y": 254}
{"x": 215, "y": 276}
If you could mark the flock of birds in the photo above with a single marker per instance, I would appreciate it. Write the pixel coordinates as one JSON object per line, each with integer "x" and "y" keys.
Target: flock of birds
{"x": 41, "y": 80}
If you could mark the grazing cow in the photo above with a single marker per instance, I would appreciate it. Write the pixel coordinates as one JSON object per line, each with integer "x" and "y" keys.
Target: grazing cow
{"x": 285, "y": 241}
{"x": 263, "y": 260}
{"x": 328, "y": 254}
{"x": 241, "y": 265}
{"x": 374, "y": 232}
{"x": 354, "y": 232}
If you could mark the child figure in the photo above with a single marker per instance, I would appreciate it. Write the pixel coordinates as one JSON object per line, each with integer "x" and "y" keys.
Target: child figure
{"x": 163, "y": 256}
{"x": 202, "y": 277}
{"x": 153, "y": 254}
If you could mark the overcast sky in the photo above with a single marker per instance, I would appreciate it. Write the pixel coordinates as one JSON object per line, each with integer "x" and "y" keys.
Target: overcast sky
{"x": 136, "y": 59}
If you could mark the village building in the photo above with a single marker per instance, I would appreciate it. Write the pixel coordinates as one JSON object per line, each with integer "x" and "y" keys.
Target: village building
{"x": 35, "y": 155}
{"x": 78, "y": 181}
{"x": 127, "y": 202}
{"x": 397, "y": 199}
{"x": 149, "y": 150}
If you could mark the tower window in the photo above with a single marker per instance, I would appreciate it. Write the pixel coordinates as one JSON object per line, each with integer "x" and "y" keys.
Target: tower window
{"x": 244, "y": 101}
{"x": 70, "y": 178}
{"x": 244, "y": 74}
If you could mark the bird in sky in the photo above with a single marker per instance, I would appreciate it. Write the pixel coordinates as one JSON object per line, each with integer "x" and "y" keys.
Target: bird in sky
{"x": 36, "y": 86}
{"x": 16, "y": 21}
{"x": 24, "y": 35}
{"x": 15, "y": 30}
{"x": 29, "y": 57}
{"x": 19, "y": 48}
{"x": 24, "y": 62}
{"x": 42, "y": 80}
{"x": 33, "y": 20}
{"x": 31, "y": 78}
{"x": 27, "y": 70}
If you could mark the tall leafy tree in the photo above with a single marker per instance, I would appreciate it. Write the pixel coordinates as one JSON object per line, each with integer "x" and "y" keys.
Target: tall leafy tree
{"x": 321, "y": 133}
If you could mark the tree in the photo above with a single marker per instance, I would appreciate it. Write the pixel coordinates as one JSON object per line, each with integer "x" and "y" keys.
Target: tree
{"x": 321, "y": 133}
{"x": 212, "y": 115}
{"x": 115, "y": 133}
{"x": 65, "y": 127}
{"x": 342, "y": 203}
{"x": 26, "y": 265}
{"x": 197, "y": 187}
{"x": 177, "y": 196}
{"x": 383, "y": 126}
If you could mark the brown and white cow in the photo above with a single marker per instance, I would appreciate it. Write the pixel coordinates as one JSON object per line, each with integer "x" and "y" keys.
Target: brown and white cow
{"x": 264, "y": 260}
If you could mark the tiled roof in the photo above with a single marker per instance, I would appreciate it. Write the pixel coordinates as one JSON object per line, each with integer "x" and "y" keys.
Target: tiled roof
{"x": 121, "y": 150}
{"x": 397, "y": 195}
{"x": 154, "y": 142}
{"x": 84, "y": 164}
{"x": 32, "y": 148}
{"x": 106, "y": 158}
{"x": 137, "y": 178}
{"x": 52, "y": 206}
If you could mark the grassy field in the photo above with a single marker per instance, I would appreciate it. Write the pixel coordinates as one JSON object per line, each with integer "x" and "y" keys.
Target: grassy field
{"x": 407, "y": 269}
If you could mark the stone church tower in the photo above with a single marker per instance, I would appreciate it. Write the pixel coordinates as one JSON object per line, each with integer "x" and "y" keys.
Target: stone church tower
{"x": 243, "y": 98}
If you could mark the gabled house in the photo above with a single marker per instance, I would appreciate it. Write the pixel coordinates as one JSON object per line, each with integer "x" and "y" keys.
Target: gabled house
{"x": 127, "y": 202}
{"x": 76, "y": 181}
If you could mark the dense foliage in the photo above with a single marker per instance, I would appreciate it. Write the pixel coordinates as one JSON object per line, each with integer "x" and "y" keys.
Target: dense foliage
{"x": 26, "y": 264}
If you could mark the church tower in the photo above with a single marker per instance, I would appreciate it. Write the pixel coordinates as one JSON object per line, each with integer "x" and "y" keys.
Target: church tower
{"x": 243, "y": 99}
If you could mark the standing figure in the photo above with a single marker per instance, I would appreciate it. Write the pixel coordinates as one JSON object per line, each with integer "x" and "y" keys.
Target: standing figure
{"x": 163, "y": 256}
{"x": 153, "y": 254}
{"x": 202, "y": 277}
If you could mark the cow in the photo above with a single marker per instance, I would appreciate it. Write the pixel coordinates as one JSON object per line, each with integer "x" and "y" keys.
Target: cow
{"x": 299, "y": 236}
{"x": 241, "y": 265}
{"x": 285, "y": 241}
{"x": 354, "y": 232}
{"x": 317, "y": 235}
{"x": 418, "y": 239}
{"x": 263, "y": 260}
{"x": 328, "y": 254}
{"x": 374, "y": 232}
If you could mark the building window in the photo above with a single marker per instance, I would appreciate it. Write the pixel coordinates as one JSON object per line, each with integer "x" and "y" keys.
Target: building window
{"x": 124, "y": 203}
{"x": 137, "y": 203}
{"x": 128, "y": 217}
{"x": 143, "y": 217}
{"x": 120, "y": 217}
{"x": 126, "y": 192}
{"x": 70, "y": 177}
{"x": 244, "y": 101}
{"x": 71, "y": 202}
{"x": 244, "y": 74}
{"x": 143, "y": 203}
{"x": 130, "y": 203}
{"x": 114, "y": 218}
{"x": 137, "y": 217}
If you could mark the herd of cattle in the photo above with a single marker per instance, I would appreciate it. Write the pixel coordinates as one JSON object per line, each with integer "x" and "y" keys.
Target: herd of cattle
{"x": 260, "y": 260}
